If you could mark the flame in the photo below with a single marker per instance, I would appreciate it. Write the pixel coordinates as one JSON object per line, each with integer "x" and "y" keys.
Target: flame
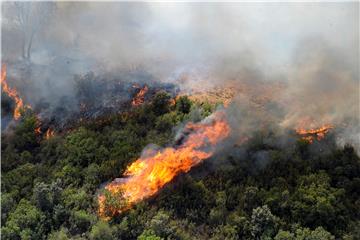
{"x": 148, "y": 174}
{"x": 140, "y": 96}
{"x": 172, "y": 101}
{"x": 49, "y": 133}
{"x": 37, "y": 130}
{"x": 312, "y": 133}
{"x": 37, "y": 126}
{"x": 12, "y": 92}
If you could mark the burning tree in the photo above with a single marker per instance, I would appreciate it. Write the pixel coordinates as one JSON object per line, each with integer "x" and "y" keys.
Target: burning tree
{"x": 147, "y": 175}
{"x": 140, "y": 96}
{"x": 111, "y": 202}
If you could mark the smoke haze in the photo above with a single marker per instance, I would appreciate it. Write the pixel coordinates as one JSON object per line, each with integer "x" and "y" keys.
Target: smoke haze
{"x": 311, "y": 48}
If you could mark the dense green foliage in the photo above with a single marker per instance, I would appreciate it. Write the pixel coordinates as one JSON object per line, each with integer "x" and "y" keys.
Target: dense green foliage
{"x": 49, "y": 186}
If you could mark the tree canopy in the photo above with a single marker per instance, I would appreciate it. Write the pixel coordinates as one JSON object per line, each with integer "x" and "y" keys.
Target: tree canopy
{"x": 50, "y": 186}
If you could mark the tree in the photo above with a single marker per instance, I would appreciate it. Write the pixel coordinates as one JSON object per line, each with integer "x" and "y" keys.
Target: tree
{"x": 92, "y": 176}
{"x": 20, "y": 179}
{"x": 218, "y": 213}
{"x": 251, "y": 198}
{"x": 62, "y": 234}
{"x": 114, "y": 201}
{"x": 82, "y": 146}
{"x": 26, "y": 222}
{"x": 101, "y": 231}
{"x": 183, "y": 104}
{"x": 29, "y": 18}
{"x": 317, "y": 234}
{"x": 60, "y": 215}
{"x": 304, "y": 234}
{"x": 51, "y": 151}
{"x": 353, "y": 231}
{"x": 315, "y": 203}
{"x": 149, "y": 235}
{"x": 207, "y": 109}
{"x": 7, "y": 205}
{"x": 241, "y": 224}
{"x": 160, "y": 224}
{"x": 225, "y": 232}
{"x": 10, "y": 158}
{"x": 69, "y": 175}
{"x": 81, "y": 221}
{"x": 187, "y": 197}
{"x": 47, "y": 196}
{"x": 25, "y": 137}
{"x": 165, "y": 122}
{"x": 264, "y": 223}
{"x": 284, "y": 235}
{"x": 76, "y": 198}
{"x": 161, "y": 103}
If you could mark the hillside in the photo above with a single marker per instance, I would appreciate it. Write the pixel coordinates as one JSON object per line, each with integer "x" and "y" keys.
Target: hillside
{"x": 50, "y": 186}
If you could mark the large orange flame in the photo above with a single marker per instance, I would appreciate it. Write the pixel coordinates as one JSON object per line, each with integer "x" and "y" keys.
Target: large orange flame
{"x": 12, "y": 93}
{"x": 150, "y": 173}
{"x": 140, "y": 96}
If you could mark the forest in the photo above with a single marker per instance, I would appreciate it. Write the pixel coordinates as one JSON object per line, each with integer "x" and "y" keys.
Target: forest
{"x": 50, "y": 185}
{"x": 180, "y": 120}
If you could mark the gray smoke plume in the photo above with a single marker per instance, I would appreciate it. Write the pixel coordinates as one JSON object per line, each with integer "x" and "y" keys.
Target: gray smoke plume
{"x": 311, "y": 50}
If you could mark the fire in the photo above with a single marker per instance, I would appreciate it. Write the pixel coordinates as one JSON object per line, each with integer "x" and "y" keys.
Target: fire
{"x": 140, "y": 96}
{"x": 172, "y": 101}
{"x": 49, "y": 133}
{"x": 312, "y": 133}
{"x": 12, "y": 93}
{"x": 148, "y": 174}
{"x": 38, "y": 130}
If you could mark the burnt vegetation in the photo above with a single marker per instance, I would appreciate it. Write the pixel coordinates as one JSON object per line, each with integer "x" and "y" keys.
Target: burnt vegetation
{"x": 260, "y": 191}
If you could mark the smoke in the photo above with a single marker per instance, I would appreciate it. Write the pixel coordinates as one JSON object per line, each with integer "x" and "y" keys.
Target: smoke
{"x": 312, "y": 49}
{"x": 177, "y": 35}
{"x": 322, "y": 85}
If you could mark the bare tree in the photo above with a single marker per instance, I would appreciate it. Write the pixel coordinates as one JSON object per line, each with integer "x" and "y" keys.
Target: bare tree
{"x": 29, "y": 18}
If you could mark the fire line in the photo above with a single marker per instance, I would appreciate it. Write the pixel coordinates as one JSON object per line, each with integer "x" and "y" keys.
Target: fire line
{"x": 311, "y": 134}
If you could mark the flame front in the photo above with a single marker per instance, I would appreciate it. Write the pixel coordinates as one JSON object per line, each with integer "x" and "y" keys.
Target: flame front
{"x": 312, "y": 133}
{"x": 149, "y": 174}
{"x": 140, "y": 96}
{"x": 12, "y": 93}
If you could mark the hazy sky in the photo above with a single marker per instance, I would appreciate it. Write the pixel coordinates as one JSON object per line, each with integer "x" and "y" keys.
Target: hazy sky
{"x": 193, "y": 34}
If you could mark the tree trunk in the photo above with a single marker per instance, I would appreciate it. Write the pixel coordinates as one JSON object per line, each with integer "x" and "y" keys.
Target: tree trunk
{"x": 28, "y": 50}
{"x": 23, "y": 50}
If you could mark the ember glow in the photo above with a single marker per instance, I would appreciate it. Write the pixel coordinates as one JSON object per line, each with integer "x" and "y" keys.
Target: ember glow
{"x": 12, "y": 93}
{"x": 140, "y": 96}
{"x": 148, "y": 174}
{"x": 312, "y": 133}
